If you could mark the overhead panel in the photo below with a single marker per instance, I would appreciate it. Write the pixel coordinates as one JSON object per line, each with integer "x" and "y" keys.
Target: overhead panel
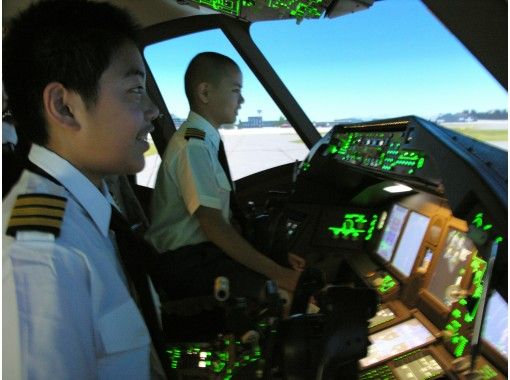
{"x": 256, "y": 10}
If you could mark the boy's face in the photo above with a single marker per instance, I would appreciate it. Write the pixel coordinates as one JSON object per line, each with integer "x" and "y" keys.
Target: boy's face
{"x": 226, "y": 98}
{"x": 115, "y": 129}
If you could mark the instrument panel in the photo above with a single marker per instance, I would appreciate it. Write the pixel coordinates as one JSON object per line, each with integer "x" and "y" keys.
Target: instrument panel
{"x": 425, "y": 248}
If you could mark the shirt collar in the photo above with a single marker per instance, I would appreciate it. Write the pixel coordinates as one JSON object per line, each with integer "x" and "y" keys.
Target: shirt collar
{"x": 211, "y": 133}
{"x": 95, "y": 202}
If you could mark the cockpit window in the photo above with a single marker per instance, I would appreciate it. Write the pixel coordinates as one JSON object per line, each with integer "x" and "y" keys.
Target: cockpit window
{"x": 393, "y": 59}
{"x": 259, "y": 139}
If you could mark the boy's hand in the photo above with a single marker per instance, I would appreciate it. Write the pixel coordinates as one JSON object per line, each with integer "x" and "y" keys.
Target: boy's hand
{"x": 288, "y": 279}
{"x": 296, "y": 262}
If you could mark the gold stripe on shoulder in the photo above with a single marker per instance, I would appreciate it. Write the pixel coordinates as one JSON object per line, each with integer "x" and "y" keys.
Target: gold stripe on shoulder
{"x": 194, "y": 133}
{"x": 40, "y": 200}
{"x": 37, "y": 212}
{"x": 34, "y": 221}
{"x": 34, "y": 211}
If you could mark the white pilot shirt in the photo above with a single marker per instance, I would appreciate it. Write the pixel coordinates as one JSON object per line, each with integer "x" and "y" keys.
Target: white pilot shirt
{"x": 67, "y": 295}
{"x": 190, "y": 176}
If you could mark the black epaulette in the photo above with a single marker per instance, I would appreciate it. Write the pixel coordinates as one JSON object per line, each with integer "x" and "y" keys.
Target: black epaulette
{"x": 193, "y": 133}
{"x": 37, "y": 212}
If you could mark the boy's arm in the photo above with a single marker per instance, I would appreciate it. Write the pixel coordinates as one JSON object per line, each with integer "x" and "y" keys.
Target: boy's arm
{"x": 234, "y": 245}
{"x": 55, "y": 310}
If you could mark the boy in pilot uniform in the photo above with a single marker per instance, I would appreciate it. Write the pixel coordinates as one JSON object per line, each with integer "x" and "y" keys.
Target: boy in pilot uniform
{"x": 76, "y": 85}
{"x": 191, "y": 210}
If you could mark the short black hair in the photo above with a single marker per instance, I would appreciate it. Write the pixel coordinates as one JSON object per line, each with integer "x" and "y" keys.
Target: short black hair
{"x": 66, "y": 41}
{"x": 206, "y": 67}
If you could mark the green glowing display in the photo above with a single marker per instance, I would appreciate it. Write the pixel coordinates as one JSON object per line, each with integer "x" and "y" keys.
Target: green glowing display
{"x": 387, "y": 284}
{"x": 375, "y": 151}
{"x": 461, "y": 318}
{"x": 460, "y": 345}
{"x": 229, "y": 7}
{"x": 456, "y": 313}
{"x": 371, "y": 227}
{"x": 298, "y": 9}
{"x": 217, "y": 361}
{"x": 332, "y": 149}
{"x": 478, "y": 220}
{"x": 354, "y": 226}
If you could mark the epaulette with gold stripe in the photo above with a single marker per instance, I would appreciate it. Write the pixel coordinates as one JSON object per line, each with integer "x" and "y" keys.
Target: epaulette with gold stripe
{"x": 37, "y": 212}
{"x": 193, "y": 133}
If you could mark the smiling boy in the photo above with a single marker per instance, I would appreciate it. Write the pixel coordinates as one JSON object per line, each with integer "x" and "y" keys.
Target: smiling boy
{"x": 191, "y": 210}
{"x": 76, "y": 85}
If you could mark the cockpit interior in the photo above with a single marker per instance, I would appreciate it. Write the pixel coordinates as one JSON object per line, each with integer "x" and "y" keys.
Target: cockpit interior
{"x": 405, "y": 219}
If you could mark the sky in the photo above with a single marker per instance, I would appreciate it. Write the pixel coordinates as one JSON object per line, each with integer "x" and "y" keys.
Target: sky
{"x": 391, "y": 60}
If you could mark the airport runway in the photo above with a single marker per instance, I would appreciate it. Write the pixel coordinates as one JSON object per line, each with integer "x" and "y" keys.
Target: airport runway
{"x": 252, "y": 150}
{"x": 249, "y": 151}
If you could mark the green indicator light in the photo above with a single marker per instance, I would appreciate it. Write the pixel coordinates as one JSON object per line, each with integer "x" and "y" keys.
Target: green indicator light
{"x": 456, "y": 325}
{"x": 332, "y": 149}
{"x": 459, "y": 350}
{"x": 371, "y": 228}
{"x": 487, "y": 227}
{"x": 499, "y": 239}
{"x": 457, "y": 313}
{"x": 219, "y": 367}
{"x": 463, "y": 302}
{"x": 478, "y": 220}
{"x": 388, "y": 283}
{"x": 420, "y": 163}
{"x": 346, "y": 144}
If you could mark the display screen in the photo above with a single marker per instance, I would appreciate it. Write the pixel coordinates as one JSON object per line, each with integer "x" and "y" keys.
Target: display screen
{"x": 410, "y": 242}
{"x": 345, "y": 228}
{"x": 391, "y": 232}
{"x": 396, "y": 340}
{"x": 495, "y": 324}
{"x": 426, "y": 367}
{"x": 382, "y": 316}
{"x": 447, "y": 275}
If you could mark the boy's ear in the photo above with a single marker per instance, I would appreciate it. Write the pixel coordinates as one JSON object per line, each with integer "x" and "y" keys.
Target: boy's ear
{"x": 56, "y": 107}
{"x": 203, "y": 92}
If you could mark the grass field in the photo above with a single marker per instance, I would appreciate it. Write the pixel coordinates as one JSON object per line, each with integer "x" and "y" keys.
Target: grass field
{"x": 484, "y": 134}
{"x": 152, "y": 150}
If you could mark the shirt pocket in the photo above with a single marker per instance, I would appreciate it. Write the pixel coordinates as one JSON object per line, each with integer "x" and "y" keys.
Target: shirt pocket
{"x": 123, "y": 329}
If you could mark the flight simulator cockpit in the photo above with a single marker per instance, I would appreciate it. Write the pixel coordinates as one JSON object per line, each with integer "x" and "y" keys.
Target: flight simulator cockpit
{"x": 418, "y": 214}
{"x": 407, "y": 223}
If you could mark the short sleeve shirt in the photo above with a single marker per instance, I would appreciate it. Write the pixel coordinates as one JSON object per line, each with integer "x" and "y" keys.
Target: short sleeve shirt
{"x": 190, "y": 176}
{"x": 70, "y": 313}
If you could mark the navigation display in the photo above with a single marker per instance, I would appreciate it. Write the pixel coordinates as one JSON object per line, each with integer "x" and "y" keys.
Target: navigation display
{"x": 495, "y": 324}
{"x": 447, "y": 275}
{"x": 410, "y": 242}
{"x": 396, "y": 340}
{"x": 391, "y": 232}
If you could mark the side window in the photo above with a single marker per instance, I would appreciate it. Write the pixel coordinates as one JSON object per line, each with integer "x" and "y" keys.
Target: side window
{"x": 260, "y": 138}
